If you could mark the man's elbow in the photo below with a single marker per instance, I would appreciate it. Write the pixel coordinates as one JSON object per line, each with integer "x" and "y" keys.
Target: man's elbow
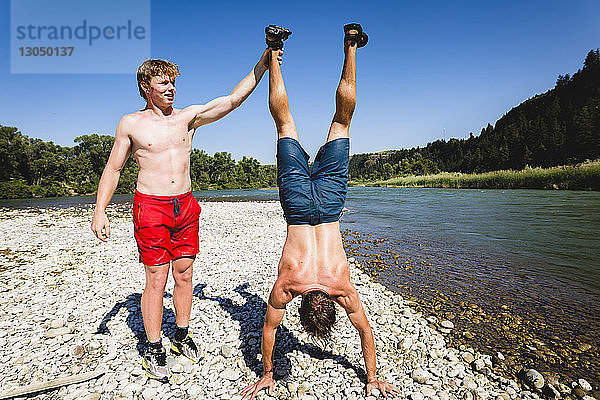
{"x": 363, "y": 328}
{"x": 112, "y": 170}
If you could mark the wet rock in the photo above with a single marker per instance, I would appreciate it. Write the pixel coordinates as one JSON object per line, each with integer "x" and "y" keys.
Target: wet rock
{"x": 551, "y": 378}
{"x": 550, "y": 391}
{"x": 468, "y": 335}
{"x": 478, "y": 365}
{"x": 447, "y": 324}
{"x": 585, "y": 385}
{"x": 563, "y": 389}
{"x": 498, "y": 359}
{"x": 467, "y": 357}
{"x": 533, "y": 378}
{"x": 584, "y": 346}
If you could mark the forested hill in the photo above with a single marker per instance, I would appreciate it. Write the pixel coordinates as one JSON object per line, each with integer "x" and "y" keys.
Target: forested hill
{"x": 561, "y": 126}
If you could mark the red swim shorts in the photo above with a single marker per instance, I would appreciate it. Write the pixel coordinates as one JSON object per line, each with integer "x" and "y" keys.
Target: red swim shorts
{"x": 166, "y": 227}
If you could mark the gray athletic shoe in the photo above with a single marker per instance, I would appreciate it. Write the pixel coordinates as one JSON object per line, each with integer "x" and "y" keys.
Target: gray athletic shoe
{"x": 187, "y": 348}
{"x": 155, "y": 364}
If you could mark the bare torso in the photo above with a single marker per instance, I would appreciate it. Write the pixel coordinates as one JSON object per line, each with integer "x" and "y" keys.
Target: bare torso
{"x": 161, "y": 146}
{"x": 313, "y": 258}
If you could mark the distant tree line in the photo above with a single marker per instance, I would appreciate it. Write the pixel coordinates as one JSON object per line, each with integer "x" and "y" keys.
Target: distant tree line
{"x": 559, "y": 127}
{"x": 35, "y": 168}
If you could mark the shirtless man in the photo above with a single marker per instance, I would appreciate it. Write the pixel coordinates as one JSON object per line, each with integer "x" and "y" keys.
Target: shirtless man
{"x": 313, "y": 263}
{"x": 165, "y": 214}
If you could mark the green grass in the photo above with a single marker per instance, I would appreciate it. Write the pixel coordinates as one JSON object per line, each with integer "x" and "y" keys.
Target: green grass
{"x": 585, "y": 176}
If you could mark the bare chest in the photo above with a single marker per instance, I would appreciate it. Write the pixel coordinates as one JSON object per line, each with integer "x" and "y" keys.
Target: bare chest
{"x": 159, "y": 136}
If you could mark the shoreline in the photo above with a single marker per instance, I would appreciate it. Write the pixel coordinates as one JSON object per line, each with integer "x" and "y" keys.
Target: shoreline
{"x": 584, "y": 176}
{"x": 71, "y": 303}
{"x": 125, "y": 197}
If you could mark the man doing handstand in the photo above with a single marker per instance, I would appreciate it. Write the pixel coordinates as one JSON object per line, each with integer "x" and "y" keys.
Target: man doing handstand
{"x": 313, "y": 263}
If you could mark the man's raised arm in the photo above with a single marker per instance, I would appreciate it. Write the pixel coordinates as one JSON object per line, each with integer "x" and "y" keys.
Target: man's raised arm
{"x": 221, "y": 106}
{"x": 354, "y": 309}
{"x": 110, "y": 178}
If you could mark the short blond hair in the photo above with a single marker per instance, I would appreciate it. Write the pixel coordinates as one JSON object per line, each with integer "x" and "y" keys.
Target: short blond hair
{"x": 155, "y": 67}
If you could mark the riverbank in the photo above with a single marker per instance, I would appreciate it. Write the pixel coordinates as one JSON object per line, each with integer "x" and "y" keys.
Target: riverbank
{"x": 585, "y": 176}
{"x": 71, "y": 304}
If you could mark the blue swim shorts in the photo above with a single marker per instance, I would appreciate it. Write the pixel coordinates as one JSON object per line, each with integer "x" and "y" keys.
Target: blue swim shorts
{"x": 312, "y": 197}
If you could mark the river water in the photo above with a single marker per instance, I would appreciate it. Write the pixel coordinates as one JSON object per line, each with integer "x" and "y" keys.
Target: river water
{"x": 533, "y": 248}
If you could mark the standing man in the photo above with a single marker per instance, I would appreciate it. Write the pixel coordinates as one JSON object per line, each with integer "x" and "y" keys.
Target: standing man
{"x": 165, "y": 214}
{"x": 313, "y": 263}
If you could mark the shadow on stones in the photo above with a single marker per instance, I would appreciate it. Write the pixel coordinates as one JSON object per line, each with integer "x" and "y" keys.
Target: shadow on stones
{"x": 250, "y": 316}
{"x": 132, "y": 304}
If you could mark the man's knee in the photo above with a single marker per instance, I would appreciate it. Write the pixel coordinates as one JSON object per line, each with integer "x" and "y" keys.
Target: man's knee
{"x": 156, "y": 278}
{"x": 339, "y": 129}
{"x": 286, "y": 130}
{"x": 182, "y": 272}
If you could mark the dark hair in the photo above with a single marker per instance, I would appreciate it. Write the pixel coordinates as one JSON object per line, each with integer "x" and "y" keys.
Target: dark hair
{"x": 317, "y": 314}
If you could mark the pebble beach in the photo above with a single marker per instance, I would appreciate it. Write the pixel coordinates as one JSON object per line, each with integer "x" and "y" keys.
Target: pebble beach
{"x": 70, "y": 304}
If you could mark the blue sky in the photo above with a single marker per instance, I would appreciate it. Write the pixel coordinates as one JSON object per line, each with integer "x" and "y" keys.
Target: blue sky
{"x": 429, "y": 65}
